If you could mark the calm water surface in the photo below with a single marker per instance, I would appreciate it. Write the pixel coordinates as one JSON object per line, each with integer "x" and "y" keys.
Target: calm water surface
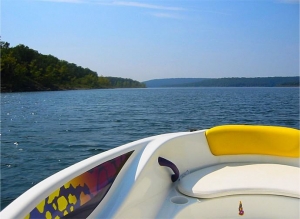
{"x": 44, "y": 132}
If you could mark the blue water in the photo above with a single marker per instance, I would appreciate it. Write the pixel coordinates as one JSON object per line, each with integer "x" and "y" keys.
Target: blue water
{"x": 44, "y": 132}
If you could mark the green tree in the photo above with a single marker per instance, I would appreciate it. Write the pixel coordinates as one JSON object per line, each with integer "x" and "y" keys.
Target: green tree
{"x": 24, "y": 69}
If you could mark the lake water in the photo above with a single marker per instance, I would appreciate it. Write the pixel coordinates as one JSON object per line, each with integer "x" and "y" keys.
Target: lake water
{"x": 44, "y": 132}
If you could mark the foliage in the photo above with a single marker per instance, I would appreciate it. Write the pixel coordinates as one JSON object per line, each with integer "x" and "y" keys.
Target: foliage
{"x": 125, "y": 83}
{"x": 226, "y": 82}
{"x": 250, "y": 82}
{"x": 24, "y": 69}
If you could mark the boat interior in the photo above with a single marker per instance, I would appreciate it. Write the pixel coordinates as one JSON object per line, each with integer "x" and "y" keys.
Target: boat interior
{"x": 229, "y": 171}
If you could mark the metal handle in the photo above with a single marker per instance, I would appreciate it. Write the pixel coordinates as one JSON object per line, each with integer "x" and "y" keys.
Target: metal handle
{"x": 164, "y": 162}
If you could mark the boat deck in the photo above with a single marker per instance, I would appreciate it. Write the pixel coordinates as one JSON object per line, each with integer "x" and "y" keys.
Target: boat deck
{"x": 223, "y": 172}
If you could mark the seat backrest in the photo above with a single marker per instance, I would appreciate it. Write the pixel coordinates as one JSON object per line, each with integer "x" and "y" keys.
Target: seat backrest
{"x": 254, "y": 139}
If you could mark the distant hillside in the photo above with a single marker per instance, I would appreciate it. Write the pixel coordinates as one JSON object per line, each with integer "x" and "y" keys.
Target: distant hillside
{"x": 24, "y": 69}
{"x": 249, "y": 82}
{"x": 225, "y": 82}
{"x": 171, "y": 82}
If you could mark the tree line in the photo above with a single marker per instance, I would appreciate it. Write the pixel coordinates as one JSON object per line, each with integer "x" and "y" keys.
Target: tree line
{"x": 25, "y": 69}
{"x": 249, "y": 82}
{"x": 290, "y": 81}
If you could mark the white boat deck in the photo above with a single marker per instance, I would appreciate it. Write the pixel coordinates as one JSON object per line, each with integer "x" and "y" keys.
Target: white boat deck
{"x": 233, "y": 181}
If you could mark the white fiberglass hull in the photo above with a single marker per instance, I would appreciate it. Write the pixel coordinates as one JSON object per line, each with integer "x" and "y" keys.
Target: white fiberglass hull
{"x": 134, "y": 180}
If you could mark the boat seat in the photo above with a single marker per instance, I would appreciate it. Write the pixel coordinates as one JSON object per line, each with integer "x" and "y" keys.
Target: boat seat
{"x": 237, "y": 179}
{"x": 253, "y": 139}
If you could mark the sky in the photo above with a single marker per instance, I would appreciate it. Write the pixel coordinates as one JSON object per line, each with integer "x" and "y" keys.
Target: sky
{"x": 145, "y": 40}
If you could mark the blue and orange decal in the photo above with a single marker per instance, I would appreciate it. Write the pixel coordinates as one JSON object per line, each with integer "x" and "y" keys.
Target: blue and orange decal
{"x": 80, "y": 196}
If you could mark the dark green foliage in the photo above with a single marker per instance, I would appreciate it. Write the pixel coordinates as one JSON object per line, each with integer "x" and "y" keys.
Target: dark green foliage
{"x": 24, "y": 69}
{"x": 125, "y": 83}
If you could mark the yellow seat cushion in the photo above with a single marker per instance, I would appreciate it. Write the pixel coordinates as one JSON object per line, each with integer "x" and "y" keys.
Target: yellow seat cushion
{"x": 252, "y": 139}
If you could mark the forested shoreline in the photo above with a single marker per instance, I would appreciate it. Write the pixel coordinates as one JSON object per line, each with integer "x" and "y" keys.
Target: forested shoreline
{"x": 25, "y": 69}
{"x": 292, "y": 81}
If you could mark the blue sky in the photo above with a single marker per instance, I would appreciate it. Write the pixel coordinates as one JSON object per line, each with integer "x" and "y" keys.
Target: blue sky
{"x": 145, "y": 40}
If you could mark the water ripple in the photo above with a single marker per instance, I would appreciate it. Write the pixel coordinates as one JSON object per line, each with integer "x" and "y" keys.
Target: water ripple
{"x": 44, "y": 132}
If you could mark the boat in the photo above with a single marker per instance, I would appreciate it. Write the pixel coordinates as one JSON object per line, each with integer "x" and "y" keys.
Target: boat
{"x": 227, "y": 171}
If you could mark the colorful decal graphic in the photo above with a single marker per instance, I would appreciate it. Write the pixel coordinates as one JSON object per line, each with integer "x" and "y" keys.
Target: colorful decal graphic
{"x": 80, "y": 196}
{"x": 241, "y": 211}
